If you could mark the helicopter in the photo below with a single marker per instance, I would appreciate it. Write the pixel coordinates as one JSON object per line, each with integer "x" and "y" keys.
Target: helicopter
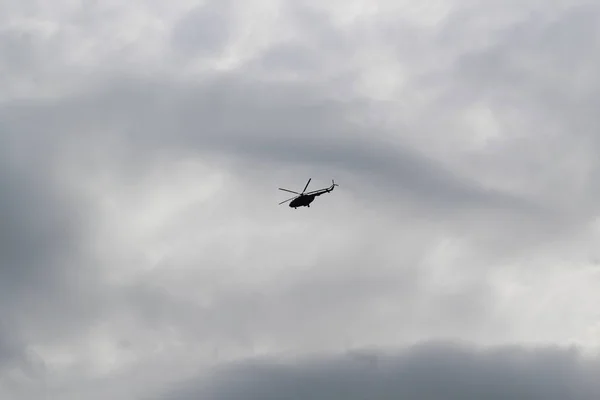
{"x": 304, "y": 199}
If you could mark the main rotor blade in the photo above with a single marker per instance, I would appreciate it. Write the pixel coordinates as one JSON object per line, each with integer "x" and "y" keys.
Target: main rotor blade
{"x": 306, "y": 185}
{"x": 285, "y": 201}
{"x": 316, "y": 191}
{"x": 291, "y": 191}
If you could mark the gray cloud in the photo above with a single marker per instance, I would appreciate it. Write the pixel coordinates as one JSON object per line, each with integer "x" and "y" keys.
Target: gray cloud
{"x": 138, "y": 196}
{"x": 205, "y": 30}
{"x": 227, "y": 116}
{"x": 429, "y": 371}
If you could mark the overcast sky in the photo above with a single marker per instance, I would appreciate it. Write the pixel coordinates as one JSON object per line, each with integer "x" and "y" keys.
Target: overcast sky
{"x": 143, "y": 254}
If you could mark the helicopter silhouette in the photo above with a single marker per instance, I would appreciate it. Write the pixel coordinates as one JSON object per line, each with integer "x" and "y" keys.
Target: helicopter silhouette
{"x": 304, "y": 199}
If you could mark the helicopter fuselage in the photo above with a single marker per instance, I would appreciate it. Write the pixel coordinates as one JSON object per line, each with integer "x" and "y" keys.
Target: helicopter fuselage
{"x": 302, "y": 201}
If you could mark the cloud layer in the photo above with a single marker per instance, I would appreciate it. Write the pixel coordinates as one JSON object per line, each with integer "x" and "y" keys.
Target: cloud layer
{"x": 429, "y": 371}
{"x": 142, "y": 145}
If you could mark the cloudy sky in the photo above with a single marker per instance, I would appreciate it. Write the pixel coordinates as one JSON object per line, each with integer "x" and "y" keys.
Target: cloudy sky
{"x": 143, "y": 254}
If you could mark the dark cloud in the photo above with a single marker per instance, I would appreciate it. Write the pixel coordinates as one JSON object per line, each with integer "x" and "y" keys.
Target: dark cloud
{"x": 427, "y": 372}
{"x": 435, "y": 230}
{"x": 253, "y": 121}
{"x": 46, "y": 280}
